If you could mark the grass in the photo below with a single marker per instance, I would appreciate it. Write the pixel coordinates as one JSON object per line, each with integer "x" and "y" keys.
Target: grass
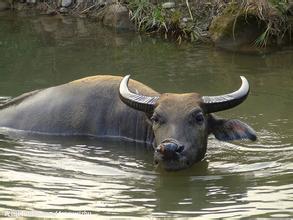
{"x": 190, "y": 20}
{"x": 273, "y": 13}
{"x": 154, "y": 18}
{"x": 262, "y": 40}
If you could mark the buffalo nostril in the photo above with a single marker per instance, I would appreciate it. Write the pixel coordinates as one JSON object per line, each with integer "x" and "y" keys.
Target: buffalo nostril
{"x": 160, "y": 149}
{"x": 180, "y": 149}
{"x": 170, "y": 147}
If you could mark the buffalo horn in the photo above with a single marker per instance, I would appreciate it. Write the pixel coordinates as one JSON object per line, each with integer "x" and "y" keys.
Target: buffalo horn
{"x": 136, "y": 101}
{"x": 227, "y": 101}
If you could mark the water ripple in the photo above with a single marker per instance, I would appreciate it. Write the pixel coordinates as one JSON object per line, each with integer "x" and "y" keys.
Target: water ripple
{"x": 117, "y": 180}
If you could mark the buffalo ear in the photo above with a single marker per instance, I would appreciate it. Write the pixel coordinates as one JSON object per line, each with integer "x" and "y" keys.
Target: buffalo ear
{"x": 231, "y": 129}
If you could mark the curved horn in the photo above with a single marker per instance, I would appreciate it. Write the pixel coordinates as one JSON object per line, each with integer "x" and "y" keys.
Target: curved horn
{"x": 138, "y": 102}
{"x": 223, "y": 102}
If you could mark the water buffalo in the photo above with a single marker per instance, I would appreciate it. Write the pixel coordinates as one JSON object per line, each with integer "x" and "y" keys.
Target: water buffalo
{"x": 177, "y": 125}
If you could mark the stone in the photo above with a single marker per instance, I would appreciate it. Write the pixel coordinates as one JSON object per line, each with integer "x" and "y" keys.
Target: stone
{"x": 51, "y": 12}
{"x": 31, "y": 1}
{"x": 231, "y": 31}
{"x": 168, "y": 5}
{"x": 4, "y": 5}
{"x": 66, "y": 3}
{"x": 117, "y": 16}
{"x": 63, "y": 10}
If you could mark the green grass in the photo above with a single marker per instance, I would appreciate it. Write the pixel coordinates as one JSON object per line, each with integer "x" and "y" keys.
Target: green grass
{"x": 189, "y": 19}
{"x": 153, "y": 18}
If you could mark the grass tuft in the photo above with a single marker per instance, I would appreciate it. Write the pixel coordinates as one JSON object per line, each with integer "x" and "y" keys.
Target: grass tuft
{"x": 190, "y": 20}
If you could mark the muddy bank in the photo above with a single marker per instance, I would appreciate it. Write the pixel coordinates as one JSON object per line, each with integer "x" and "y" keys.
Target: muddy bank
{"x": 241, "y": 25}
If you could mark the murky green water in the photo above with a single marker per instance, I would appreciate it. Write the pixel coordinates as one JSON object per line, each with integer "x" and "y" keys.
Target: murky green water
{"x": 106, "y": 178}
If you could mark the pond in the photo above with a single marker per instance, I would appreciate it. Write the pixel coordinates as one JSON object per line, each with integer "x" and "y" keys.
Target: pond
{"x": 70, "y": 176}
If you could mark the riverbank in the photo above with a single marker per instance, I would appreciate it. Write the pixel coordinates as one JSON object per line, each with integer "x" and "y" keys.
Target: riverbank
{"x": 238, "y": 24}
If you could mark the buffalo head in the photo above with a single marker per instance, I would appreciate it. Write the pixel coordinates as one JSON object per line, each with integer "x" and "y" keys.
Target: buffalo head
{"x": 182, "y": 122}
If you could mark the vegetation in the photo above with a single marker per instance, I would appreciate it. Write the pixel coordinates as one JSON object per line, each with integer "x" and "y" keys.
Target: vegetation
{"x": 191, "y": 20}
{"x": 179, "y": 21}
{"x": 274, "y": 14}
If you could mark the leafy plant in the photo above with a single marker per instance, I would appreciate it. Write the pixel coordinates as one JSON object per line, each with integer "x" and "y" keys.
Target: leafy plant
{"x": 262, "y": 40}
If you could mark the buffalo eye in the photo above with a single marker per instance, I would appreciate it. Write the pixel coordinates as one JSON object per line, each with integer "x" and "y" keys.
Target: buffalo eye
{"x": 198, "y": 118}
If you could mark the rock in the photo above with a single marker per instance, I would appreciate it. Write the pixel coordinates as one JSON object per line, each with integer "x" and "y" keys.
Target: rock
{"x": 66, "y": 3}
{"x": 231, "y": 31}
{"x": 168, "y": 5}
{"x": 117, "y": 16}
{"x": 31, "y": 1}
{"x": 184, "y": 19}
{"x": 4, "y": 5}
{"x": 51, "y": 12}
{"x": 63, "y": 10}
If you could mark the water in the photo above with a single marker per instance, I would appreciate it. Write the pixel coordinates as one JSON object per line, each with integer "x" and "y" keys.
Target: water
{"x": 53, "y": 176}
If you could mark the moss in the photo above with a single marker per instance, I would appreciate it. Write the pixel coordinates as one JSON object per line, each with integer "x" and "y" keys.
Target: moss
{"x": 221, "y": 26}
{"x": 256, "y": 23}
{"x": 228, "y": 25}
